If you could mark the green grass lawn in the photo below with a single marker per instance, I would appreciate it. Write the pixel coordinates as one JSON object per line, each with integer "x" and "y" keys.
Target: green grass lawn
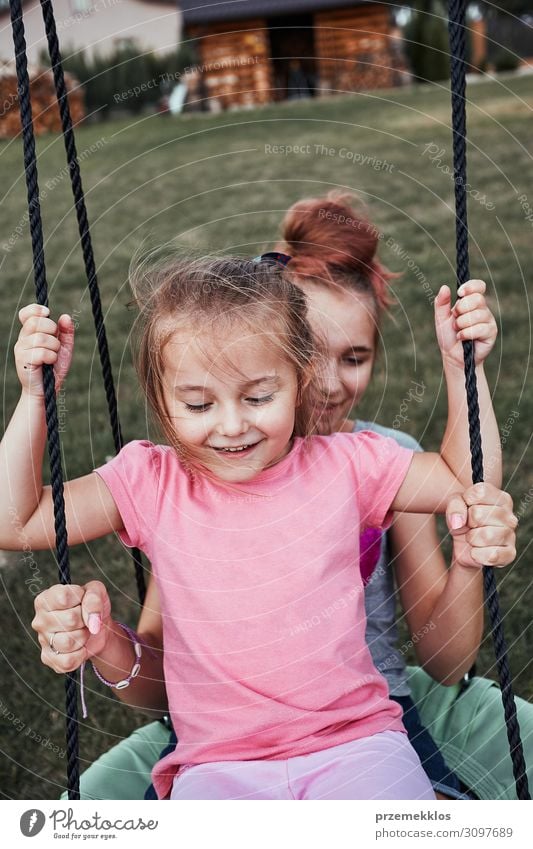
{"x": 222, "y": 183}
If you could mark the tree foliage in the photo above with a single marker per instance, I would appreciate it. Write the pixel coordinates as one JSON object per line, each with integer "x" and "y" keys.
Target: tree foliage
{"x": 426, "y": 41}
{"x": 126, "y": 79}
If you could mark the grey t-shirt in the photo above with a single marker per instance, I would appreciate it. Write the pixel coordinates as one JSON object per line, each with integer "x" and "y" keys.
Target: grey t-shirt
{"x": 380, "y": 596}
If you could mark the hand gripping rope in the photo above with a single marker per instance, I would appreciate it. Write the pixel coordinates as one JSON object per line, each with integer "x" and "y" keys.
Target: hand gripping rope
{"x": 458, "y": 70}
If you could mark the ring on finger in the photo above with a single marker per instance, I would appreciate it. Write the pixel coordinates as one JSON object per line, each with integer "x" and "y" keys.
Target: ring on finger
{"x": 51, "y": 643}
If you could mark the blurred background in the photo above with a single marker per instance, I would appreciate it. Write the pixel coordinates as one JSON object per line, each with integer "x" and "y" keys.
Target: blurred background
{"x": 198, "y": 126}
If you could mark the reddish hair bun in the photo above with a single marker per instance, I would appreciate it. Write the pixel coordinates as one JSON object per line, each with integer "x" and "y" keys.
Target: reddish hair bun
{"x": 330, "y": 239}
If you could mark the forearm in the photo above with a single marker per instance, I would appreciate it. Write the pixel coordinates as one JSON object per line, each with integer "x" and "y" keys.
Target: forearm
{"x": 451, "y": 638}
{"x": 147, "y": 691}
{"x": 455, "y": 448}
{"x": 21, "y": 460}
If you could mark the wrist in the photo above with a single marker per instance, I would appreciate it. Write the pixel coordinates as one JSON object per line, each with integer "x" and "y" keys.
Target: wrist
{"x": 30, "y": 397}
{"x": 115, "y": 647}
{"x": 120, "y": 679}
{"x": 465, "y": 574}
{"x": 123, "y": 670}
{"x": 452, "y": 367}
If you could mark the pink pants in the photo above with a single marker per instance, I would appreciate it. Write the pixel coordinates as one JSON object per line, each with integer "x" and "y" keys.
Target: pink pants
{"x": 384, "y": 766}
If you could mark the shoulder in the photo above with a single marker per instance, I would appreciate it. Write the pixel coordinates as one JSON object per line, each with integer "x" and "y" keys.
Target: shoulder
{"x": 142, "y": 447}
{"x": 139, "y": 457}
{"x": 403, "y": 439}
{"x": 143, "y": 451}
{"x": 359, "y": 437}
{"x": 359, "y": 446}
{"x": 377, "y": 464}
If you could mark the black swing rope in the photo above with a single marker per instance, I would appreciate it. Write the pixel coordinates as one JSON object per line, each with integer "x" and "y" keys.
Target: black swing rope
{"x": 87, "y": 250}
{"x": 457, "y": 34}
{"x": 54, "y": 447}
{"x": 458, "y": 71}
{"x": 41, "y": 291}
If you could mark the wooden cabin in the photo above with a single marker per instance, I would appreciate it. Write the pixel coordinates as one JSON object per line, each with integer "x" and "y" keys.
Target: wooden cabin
{"x": 252, "y": 52}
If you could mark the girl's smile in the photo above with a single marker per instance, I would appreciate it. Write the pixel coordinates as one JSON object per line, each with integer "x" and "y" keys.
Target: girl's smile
{"x": 239, "y": 450}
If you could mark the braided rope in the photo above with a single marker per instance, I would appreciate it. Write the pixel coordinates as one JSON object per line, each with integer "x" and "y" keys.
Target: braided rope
{"x": 54, "y": 447}
{"x": 87, "y": 250}
{"x": 457, "y": 33}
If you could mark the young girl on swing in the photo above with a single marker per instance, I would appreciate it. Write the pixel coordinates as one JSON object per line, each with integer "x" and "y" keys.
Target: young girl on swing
{"x": 252, "y": 528}
{"x": 334, "y": 259}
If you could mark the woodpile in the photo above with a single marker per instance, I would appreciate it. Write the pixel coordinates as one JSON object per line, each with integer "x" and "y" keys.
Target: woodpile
{"x": 45, "y": 110}
{"x": 356, "y": 50}
{"x": 235, "y": 66}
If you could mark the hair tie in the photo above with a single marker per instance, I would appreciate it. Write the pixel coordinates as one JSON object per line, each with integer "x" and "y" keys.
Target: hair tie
{"x": 274, "y": 258}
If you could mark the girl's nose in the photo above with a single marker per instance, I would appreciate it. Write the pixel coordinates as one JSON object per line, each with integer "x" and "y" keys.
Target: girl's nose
{"x": 330, "y": 382}
{"x": 233, "y": 421}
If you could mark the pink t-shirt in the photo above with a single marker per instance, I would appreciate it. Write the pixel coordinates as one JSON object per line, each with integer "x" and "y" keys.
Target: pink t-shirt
{"x": 261, "y": 595}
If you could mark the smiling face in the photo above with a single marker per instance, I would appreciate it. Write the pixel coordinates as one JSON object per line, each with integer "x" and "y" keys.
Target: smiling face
{"x": 232, "y": 405}
{"x": 345, "y": 321}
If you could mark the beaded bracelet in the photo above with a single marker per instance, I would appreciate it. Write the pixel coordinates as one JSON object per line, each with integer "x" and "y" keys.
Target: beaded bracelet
{"x": 135, "y": 669}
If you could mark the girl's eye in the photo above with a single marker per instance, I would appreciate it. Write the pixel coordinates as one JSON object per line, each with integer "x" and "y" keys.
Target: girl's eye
{"x": 202, "y": 408}
{"x": 197, "y": 408}
{"x": 258, "y": 401}
{"x": 353, "y": 361}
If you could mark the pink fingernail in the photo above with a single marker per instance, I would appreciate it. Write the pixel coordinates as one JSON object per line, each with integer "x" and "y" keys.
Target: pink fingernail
{"x": 94, "y": 623}
{"x": 456, "y": 521}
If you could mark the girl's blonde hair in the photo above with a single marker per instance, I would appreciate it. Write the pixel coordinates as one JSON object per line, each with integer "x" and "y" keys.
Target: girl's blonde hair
{"x": 211, "y": 295}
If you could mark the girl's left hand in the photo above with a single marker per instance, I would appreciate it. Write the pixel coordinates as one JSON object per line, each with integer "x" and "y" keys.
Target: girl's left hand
{"x": 482, "y": 524}
{"x": 469, "y": 319}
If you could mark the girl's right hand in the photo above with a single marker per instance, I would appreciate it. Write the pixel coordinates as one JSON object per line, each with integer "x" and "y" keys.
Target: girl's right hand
{"x": 470, "y": 319}
{"x": 72, "y": 624}
{"x": 42, "y": 341}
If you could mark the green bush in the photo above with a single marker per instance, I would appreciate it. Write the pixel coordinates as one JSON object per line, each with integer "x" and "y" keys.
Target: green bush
{"x": 426, "y": 42}
{"x": 505, "y": 60}
{"x": 124, "y": 80}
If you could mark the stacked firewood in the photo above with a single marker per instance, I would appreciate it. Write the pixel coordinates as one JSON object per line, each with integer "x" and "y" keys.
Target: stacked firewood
{"x": 45, "y": 110}
{"x": 357, "y": 50}
{"x": 235, "y": 66}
